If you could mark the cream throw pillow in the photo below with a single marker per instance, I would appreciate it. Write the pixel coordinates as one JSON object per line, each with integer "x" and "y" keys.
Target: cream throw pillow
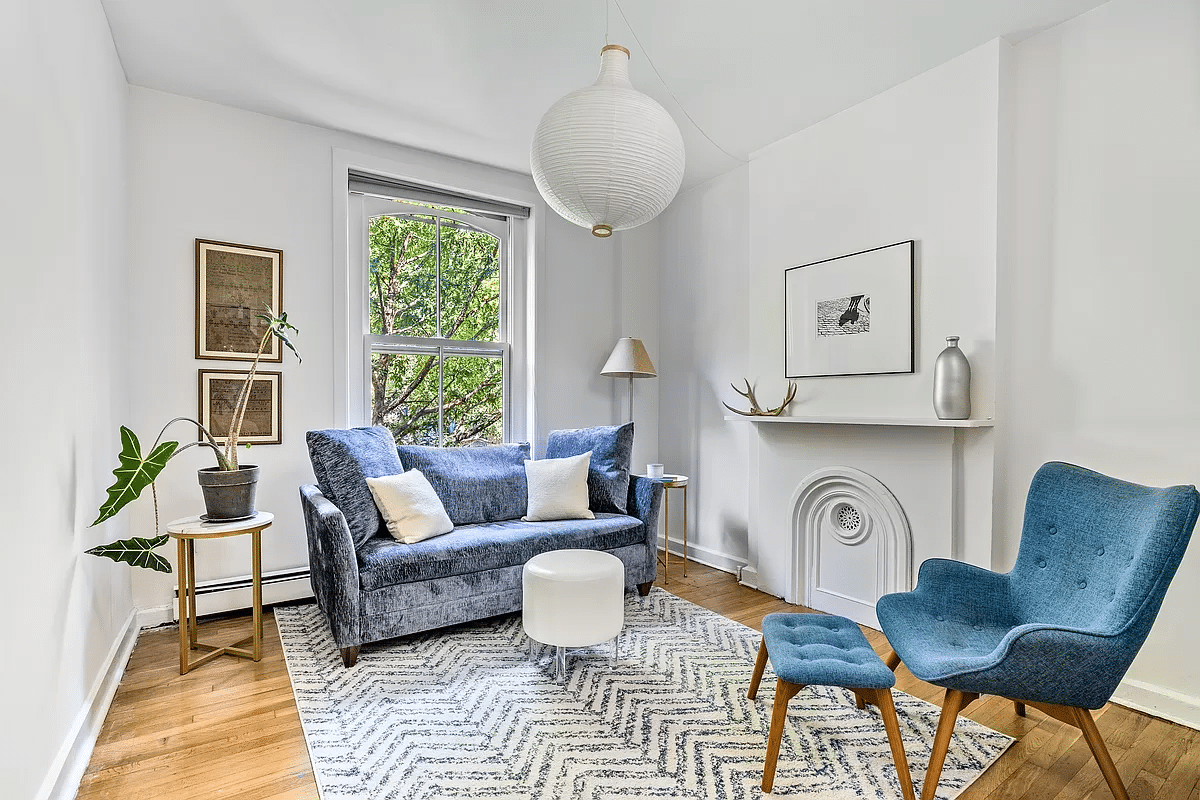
{"x": 410, "y": 506}
{"x": 558, "y": 488}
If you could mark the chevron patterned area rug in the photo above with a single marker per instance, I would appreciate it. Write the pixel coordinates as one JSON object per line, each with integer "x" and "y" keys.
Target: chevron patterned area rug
{"x": 463, "y": 712}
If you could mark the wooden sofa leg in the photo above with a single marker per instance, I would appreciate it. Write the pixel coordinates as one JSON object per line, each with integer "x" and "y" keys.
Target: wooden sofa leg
{"x": 644, "y": 588}
{"x": 349, "y": 656}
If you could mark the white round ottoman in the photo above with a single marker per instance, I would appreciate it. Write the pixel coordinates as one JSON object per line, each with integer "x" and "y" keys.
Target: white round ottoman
{"x": 573, "y": 598}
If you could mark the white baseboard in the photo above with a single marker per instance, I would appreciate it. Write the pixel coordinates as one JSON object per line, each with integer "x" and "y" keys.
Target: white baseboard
{"x": 155, "y": 615}
{"x": 62, "y": 780}
{"x": 748, "y": 576}
{"x": 706, "y": 556}
{"x": 1159, "y": 702}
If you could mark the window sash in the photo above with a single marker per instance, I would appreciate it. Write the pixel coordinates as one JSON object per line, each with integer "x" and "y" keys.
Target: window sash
{"x": 441, "y": 349}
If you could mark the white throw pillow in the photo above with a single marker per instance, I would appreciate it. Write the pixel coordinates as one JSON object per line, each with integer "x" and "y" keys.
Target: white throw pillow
{"x": 410, "y": 506}
{"x": 558, "y": 488}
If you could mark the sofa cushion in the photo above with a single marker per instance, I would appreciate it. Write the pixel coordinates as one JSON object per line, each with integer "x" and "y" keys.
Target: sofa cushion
{"x": 476, "y": 484}
{"x": 382, "y": 561}
{"x": 558, "y": 489}
{"x": 410, "y": 507}
{"x": 608, "y": 474}
{"x": 342, "y": 460}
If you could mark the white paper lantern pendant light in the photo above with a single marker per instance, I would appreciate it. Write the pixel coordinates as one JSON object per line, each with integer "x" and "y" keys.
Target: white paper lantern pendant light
{"x": 608, "y": 157}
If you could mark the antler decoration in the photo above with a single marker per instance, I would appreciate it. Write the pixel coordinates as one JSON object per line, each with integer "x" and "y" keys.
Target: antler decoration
{"x": 755, "y": 409}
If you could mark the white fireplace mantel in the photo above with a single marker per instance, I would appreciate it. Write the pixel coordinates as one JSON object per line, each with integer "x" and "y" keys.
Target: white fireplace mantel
{"x": 845, "y": 508}
{"x": 906, "y": 422}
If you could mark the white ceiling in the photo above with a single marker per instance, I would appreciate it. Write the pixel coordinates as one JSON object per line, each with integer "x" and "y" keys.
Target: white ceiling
{"x": 471, "y": 78}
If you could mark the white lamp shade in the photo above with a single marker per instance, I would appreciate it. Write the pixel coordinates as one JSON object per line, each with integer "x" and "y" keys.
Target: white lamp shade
{"x": 629, "y": 359}
{"x": 608, "y": 157}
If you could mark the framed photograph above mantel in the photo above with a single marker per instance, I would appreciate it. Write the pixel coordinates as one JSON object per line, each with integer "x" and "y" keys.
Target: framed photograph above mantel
{"x": 219, "y": 390}
{"x": 234, "y": 285}
{"x": 851, "y": 315}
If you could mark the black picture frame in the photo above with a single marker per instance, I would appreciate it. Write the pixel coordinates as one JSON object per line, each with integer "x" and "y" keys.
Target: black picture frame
{"x": 886, "y": 273}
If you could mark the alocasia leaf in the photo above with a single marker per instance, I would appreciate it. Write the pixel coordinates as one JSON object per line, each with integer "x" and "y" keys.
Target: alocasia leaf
{"x": 134, "y": 473}
{"x": 137, "y": 552}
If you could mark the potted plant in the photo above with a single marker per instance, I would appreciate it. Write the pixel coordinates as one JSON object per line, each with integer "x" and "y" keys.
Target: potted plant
{"x": 228, "y": 487}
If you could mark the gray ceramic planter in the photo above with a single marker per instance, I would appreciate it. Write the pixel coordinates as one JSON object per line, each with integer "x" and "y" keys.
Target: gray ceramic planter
{"x": 229, "y": 494}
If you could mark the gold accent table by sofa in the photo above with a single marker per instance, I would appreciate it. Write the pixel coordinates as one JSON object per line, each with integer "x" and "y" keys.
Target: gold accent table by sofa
{"x": 670, "y": 482}
{"x": 185, "y": 532}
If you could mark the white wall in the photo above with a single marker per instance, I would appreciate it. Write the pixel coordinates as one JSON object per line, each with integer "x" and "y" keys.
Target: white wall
{"x": 210, "y": 171}
{"x": 1097, "y": 315}
{"x": 916, "y": 162}
{"x": 62, "y": 219}
{"x": 704, "y": 329}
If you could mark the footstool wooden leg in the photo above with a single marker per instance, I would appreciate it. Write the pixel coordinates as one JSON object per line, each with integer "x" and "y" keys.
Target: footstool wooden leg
{"x": 784, "y": 691}
{"x": 883, "y": 699}
{"x": 759, "y": 666}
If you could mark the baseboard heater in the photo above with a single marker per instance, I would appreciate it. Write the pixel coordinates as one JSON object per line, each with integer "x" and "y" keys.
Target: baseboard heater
{"x": 236, "y": 594}
{"x": 245, "y": 582}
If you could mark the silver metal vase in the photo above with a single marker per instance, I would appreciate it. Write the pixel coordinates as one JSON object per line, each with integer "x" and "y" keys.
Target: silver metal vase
{"x": 952, "y": 383}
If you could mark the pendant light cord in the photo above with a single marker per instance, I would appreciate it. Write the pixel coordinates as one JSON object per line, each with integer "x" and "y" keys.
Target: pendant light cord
{"x": 663, "y": 81}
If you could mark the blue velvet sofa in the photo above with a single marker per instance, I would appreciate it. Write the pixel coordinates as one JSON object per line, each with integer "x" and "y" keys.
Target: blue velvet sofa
{"x": 372, "y": 587}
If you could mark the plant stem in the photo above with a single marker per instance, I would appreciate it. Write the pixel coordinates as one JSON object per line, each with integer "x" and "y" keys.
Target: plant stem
{"x": 239, "y": 409}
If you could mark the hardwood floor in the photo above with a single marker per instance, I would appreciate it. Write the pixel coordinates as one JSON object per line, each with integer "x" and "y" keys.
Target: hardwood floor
{"x": 230, "y": 728}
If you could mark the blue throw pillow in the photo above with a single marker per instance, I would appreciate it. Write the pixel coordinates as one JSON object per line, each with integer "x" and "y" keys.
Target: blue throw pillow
{"x": 608, "y": 475}
{"x": 475, "y": 484}
{"x": 342, "y": 460}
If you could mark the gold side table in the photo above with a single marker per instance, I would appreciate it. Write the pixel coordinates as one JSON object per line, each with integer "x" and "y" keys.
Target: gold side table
{"x": 670, "y": 482}
{"x": 185, "y": 532}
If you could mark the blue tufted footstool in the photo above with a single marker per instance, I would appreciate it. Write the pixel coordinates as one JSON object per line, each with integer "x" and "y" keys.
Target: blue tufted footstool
{"x": 823, "y": 650}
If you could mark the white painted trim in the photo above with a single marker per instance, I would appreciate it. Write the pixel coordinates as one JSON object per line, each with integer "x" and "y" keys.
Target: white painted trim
{"x": 883, "y": 519}
{"x": 525, "y": 255}
{"x": 69, "y": 766}
{"x": 706, "y": 556}
{"x": 904, "y": 422}
{"x": 155, "y": 616}
{"x": 1159, "y": 702}
{"x": 748, "y": 576}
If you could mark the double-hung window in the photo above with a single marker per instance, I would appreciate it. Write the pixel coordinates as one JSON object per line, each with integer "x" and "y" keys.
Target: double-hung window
{"x": 437, "y": 349}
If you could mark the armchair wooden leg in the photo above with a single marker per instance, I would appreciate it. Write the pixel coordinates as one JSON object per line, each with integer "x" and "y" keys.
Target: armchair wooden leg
{"x": 1020, "y": 707}
{"x": 883, "y": 699}
{"x": 784, "y": 692}
{"x": 954, "y": 703}
{"x": 1085, "y": 723}
{"x": 891, "y": 660}
{"x": 644, "y": 588}
{"x": 759, "y": 665}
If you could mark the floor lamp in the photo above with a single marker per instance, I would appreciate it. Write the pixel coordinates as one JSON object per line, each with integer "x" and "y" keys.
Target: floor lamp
{"x": 629, "y": 359}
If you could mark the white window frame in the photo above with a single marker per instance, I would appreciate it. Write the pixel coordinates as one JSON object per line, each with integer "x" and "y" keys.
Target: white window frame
{"x": 351, "y": 402}
{"x": 363, "y": 208}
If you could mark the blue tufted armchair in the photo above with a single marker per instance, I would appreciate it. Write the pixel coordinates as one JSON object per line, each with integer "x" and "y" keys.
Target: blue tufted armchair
{"x": 1059, "y": 631}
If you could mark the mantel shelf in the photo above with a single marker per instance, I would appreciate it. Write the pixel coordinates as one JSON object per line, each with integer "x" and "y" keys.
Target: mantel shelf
{"x": 908, "y": 422}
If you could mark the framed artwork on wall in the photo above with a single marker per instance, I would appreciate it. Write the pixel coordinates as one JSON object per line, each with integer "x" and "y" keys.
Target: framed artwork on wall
{"x": 851, "y": 315}
{"x": 234, "y": 284}
{"x": 219, "y": 390}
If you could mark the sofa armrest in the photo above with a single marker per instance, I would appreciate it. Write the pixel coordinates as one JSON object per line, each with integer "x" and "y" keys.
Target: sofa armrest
{"x": 332, "y": 565}
{"x": 644, "y": 502}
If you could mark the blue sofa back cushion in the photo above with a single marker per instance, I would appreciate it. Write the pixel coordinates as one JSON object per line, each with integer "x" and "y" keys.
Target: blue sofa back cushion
{"x": 475, "y": 484}
{"x": 608, "y": 474}
{"x": 342, "y": 460}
